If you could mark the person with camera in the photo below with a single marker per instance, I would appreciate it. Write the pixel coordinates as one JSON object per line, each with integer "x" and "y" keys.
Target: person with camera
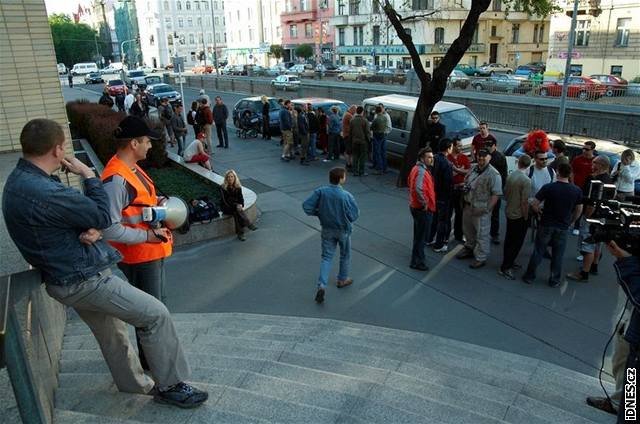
{"x": 590, "y": 251}
{"x": 562, "y": 207}
{"x": 63, "y": 238}
{"x": 130, "y": 190}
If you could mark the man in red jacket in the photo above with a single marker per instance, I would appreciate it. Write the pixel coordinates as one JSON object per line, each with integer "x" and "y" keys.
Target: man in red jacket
{"x": 581, "y": 165}
{"x": 422, "y": 203}
{"x": 207, "y": 121}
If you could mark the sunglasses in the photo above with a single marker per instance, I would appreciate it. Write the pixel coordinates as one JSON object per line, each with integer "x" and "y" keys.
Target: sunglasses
{"x": 543, "y": 159}
{"x": 586, "y": 149}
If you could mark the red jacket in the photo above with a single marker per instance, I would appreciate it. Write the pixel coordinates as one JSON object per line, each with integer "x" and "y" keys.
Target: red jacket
{"x": 421, "y": 190}
{"x": 208, "y": 115}
{"x": 581, "y": 167}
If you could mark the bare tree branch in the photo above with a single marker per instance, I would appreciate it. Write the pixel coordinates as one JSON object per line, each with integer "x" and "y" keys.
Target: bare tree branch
{"x": 418, "y": 16}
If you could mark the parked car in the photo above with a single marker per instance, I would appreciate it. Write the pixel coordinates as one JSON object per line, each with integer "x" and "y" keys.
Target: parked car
{"x": 291, "y": 82}
{"x": 156, "y": 92}
{"x": 226, "y": 70}
{"x": 583, "y": 88}
{"x": 354, "y": 74}
{"x": 302, "y": 70}
{"x": 615, "y": 85}
{"x": 62, "y": 69}
{"x": 146, "y": 69}
{"x": 327, "y": 69}
{"x": 239, "y": 70}
{"x": 275, "y": 70}
{"x": 322, "y": 102}
{"x": 469, "y": 70}
{"x": 256, "y": 70}
{"x": 502, "y": 83}
{"x": 574, "y": 145}
{"x": 83, "y": 68}
{"x": 142, "y": 84}
{"x": 116, "y": 86}
{"x": 528, "y": 70}
{"x": 133, "y": 76}
{"x": 254, "y": 104}
{"x": 494, "y": 68}
{"x": 93, "y": 78}
{"x": 201, "y": 69}
{"x": 458, "y": 79}
{"x": 458, "y": 120}
{"x": 388, "y": 76}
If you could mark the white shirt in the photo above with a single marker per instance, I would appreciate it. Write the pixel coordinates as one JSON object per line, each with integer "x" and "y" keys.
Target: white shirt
{"x": 389, "y": 125}
{"x": 129, "y": 101}
{"x": 191, "y": 150}
{"x": 539, "y": 178}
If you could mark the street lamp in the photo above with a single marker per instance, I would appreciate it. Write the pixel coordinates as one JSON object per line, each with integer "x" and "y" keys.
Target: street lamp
{"x": 215, "y": 48}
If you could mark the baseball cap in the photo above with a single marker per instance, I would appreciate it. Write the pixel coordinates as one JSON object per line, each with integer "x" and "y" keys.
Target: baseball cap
{"x": 132, "y": 127}
{"x": 201, "y": 136}
{"x": 490, "y": 142}
{"x": 202, "y": 91}
{"x": 483, "y": 152}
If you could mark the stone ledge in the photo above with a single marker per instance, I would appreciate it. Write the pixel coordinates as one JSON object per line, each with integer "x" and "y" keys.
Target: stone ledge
{"x": 219, "y": 227}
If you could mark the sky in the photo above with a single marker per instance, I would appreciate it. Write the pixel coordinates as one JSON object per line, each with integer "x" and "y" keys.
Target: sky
{"x": 61, "y": 6}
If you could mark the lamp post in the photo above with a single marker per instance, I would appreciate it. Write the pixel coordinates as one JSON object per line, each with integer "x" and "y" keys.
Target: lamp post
{"x": 122, "y": 53}
{"x": 567, "y": 69}
{"x": 215, "y": 49}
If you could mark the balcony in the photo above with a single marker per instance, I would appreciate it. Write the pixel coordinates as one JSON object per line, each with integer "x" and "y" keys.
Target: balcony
{"x": 339, "y": 20}
{"x": 299, "y": 16}
{"x": 527, "y": 47}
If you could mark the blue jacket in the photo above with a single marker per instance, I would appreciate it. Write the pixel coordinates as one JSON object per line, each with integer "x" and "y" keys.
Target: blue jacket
{"x": 334, "y": 206}
{"x": 44, "y": 219}
{"x": 335, "y": 124}
{"x": 286, "y": 121}
{"x": 628, "y": 272}
{"x": 303, "y": 124}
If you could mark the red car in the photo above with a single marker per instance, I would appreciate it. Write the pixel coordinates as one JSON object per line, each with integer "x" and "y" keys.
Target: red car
{"x": 616, "y": 86}
{"x": 584, "y": 88}
{"x": 116, "y": 87}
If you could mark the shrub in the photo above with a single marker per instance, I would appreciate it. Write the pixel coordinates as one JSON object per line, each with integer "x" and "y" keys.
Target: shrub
{"x": 174, "y": 180}
{"x": 636, "y": 80}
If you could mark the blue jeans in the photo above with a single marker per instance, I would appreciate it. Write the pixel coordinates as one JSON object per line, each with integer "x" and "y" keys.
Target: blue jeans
{"x": 421, "y": 228}
{"x": 546, "y": 236}
{"x": 443, "y": 222}
{"x": 311, "y": 151}
{"x": 329, "y": 241}
{"x": 379, "y": 153}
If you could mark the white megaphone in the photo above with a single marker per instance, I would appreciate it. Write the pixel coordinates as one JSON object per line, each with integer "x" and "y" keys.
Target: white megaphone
{"x": 172, "y": 211}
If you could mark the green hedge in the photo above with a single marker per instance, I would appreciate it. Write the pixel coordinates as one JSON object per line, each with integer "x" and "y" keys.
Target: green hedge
{"x": 176, "y": 180}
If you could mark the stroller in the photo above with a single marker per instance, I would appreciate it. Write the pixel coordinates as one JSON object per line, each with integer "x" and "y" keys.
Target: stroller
{"x": 250, "y": 124}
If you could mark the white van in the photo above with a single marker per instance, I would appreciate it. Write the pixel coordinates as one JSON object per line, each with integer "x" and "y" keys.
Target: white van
{"x": 458, "y": 120}
{"x": 112, "y": 68}
{"x": 84, "y": 68}
{"x": 61, "y": 69}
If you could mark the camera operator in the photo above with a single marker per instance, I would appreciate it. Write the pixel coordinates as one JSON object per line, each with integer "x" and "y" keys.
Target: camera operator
{"x": 627, "y": 268}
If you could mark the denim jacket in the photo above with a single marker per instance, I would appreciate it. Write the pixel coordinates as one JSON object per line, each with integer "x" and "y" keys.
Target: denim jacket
{"x": 335, "y": 207}
{"x": 44, "y": 219}
{"x": 628, "y": 272}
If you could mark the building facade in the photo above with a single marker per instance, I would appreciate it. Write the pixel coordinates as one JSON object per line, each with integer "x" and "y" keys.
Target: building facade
{"x": 125, "y": 17}
{"x": 308, "y": 22}
{"x": 605, "y": 44}
{"x": 183, "y": 28}
{"x": 254, "y": 25}
{"x": 363, "y": 34}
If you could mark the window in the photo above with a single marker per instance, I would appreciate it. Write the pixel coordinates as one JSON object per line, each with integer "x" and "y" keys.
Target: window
{"x": 308, "y": 30}
{"x": 179, "y": 5}
{"x": 250, "y": 34}
{"x": 249, "y": 14}
{"x": 475, "y": 36}
{"x": 355, "y": 36}
{"x": 209, "y": 38}
{"x": 215, "y": 5}
{"x": 622, "y": 33}
{"x": 238, "y": 14}
{"x": 439, "y": 36}
{"x": 167, "y": 23}
{"x": 217, "y": 37}
{"x": 582, "y": 32}
{"x": 240, "y": 36}
{"x": 398, "y": 118}
{"x": 354, "y": 7}
{"x": 199, "y": 20}
{"x": 616, "y": 70}
{"x": 497, "y": 5}
{"x": 180, "y": 23}
{"x": 361, "y": 33}
{"x": 303, "y": 5}
{"x": 188, "y": 5}
{"x": 190, "y": 22}
{"x": 376, "y": 6}
{"x": 182, "y": 39}
{"x": 197, "y": 5}
{"x": 515, "y": 33}
{"x": 341, "y": 36}
{"x": 265, "y": 33}
{"x": 421, "y": 4}
{"x": 293, "y": 31}
{"x": 278, "y": 31}
{"x": 201, "y": 38}
{"x": 535, "y": 33}
{"x": 206, "y": 5}
{"x": 541, "y": 34}
{"x": 165, "y": 5}
{"x": 216, "y": 20}
{"x": 207, "y": 21}
{"x": 170, "y": 40}
{"x": 152, "y": 40}
{"x": 436, "y": 61}
{"x": 341, "y": 7}
{"x": 192, "y": 39}
{"x": 376, "y": 35}
{"x": 576, "y": 70}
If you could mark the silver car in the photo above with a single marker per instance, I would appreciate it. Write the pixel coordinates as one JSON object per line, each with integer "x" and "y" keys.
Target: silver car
{"x": 494, "y": 68}
{"x": 291, "y": 82}
{"x": 502, "y": 83}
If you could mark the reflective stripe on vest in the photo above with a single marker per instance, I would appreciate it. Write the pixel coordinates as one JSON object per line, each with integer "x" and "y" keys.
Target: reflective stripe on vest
{"x": 132, "y": 215}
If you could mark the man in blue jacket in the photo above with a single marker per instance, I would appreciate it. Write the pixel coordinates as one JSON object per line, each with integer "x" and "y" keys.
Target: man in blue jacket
{"x": 337, "y": 211}
{"x": 334, "y": 128}
{"x": 286, "y": 129}
{"x": 58, "y": 230}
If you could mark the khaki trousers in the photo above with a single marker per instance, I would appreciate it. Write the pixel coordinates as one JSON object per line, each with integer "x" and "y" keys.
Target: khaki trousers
{"x": 476, "y": 232}
{"x": 207, "y": 132}
{"x": 618, "y": 362}
{"x": 105, "y": 303}
{"x": 287, "y": 143}
{"x": 304, "y": 146}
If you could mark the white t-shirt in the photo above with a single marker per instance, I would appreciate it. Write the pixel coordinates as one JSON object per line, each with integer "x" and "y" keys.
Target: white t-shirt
{"x": 129, "y": 101}
{"x": 540, "y": 177}
{"x": 191, "y": 150}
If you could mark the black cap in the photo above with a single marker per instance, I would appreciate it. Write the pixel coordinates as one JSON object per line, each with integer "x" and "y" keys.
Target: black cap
{"x": 132, "y": 127}
{"x": 490, "y": 142}
{"x": 483, "y": 152}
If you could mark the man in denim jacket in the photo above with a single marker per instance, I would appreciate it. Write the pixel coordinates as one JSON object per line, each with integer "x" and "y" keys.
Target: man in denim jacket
{"x": 337, "y": 211}
{"x": 57, "y": 230}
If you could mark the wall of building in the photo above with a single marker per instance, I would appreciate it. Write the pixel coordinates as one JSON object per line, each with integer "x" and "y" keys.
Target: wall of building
{"x": 245, "y": 32}
{"x": 306, "y": 22}
{"x": 603, "y": 50}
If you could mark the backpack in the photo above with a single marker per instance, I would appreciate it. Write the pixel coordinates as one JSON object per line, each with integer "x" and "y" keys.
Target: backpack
{"x": 202, "y": 209}
{"x": 190, "y": 120}
{"x": 200, "y": 119}
{"x": 550, "y": 169}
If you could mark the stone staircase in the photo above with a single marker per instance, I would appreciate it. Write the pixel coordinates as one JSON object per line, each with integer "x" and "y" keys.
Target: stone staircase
{"x": 272, "y": 369}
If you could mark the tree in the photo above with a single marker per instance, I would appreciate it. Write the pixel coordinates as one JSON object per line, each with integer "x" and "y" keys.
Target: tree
{"x": 73, "y": 42}
{"x": 304, "y": 51}
{"x": 433, "y": 86}
{"x": 276, "y": 51}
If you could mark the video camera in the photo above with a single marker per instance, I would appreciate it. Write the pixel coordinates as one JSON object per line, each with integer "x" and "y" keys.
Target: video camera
{"x": 612, "y": 219}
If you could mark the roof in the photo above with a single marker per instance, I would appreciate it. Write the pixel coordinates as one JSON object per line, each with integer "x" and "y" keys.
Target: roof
{"x": 412, "y": 102}
{"x": 255, "y": 98}
{"x": 315, "y": 100}
{"x": 578, "y": 140}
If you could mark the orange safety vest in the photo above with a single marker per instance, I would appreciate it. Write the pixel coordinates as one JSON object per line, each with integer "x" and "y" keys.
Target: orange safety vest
{"x": 132, "y": 214}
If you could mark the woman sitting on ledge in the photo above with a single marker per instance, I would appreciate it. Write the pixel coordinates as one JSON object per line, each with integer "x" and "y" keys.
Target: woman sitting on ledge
{"x": 195, "y": 153}
{"x": 233, "y": 203}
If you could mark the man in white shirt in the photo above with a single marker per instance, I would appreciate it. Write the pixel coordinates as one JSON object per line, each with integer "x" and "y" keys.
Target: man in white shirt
{"x": 387, "y": 117}
{"x": 540, "y": 174}
{"x": 195, "y": 153}
{"x": 129, "y": 101}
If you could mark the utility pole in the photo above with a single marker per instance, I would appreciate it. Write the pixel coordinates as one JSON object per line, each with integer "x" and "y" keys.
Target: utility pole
{"x": 204, "y": 45}
{"x": 122, "y": 53}
{"x": 567, "y": 69}
{"x": 215, "y": 49}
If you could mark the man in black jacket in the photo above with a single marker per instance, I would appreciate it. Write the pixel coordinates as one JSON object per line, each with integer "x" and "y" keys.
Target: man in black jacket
{"x": 220, "y": 115}
{"x": 443, "y": 183}
{"x": 105, "y": 99}
{"x": 499, "y": 162}
{"x": 434, "y": 132}
{"x": 314, "y": 128}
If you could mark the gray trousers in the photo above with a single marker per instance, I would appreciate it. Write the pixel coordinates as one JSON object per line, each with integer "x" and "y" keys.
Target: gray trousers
{"x": 618, "y": 362}
{"x": 105, "y": 303}
{"x": 476, "y": 232}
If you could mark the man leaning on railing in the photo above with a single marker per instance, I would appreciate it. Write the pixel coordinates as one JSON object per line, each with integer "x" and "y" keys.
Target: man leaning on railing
{"x": 57, "y": 230}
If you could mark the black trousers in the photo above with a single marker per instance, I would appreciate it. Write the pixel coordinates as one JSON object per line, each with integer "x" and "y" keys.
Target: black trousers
{"x": 421, "y": 228}
{"x": 456, "y": 206}
{"x": 513, "y": 240}
{"x": 495, "y": 219}
{"x": 443, "y": 222}
{"x": 266, "y": 133}
{"x": 631, "y": 370}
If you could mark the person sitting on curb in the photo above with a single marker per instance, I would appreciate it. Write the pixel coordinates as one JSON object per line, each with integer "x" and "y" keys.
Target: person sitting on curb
{"x": 232, "y": 203}
{"x": 195, "y": 153}
{"x": 337, "y": 210}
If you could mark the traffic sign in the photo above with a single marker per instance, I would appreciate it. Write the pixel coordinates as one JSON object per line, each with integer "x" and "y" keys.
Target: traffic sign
{"x": 181, "y": 80}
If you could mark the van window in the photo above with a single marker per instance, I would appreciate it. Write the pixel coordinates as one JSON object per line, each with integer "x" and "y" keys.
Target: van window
{"x": 459, "y": 122}
{"x": 398, "y": 118}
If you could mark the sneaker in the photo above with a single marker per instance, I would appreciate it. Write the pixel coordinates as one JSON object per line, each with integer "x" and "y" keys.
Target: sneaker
{"x": 495, "y": 240}
{"x": 575, "y": 232}
{"x": 320, "y": 296}
{"x": 430, "y": 243}
{"x": 594, "y": 269}
{"x": 464, "y": 254}
{"x": 602, "y": 404}
{"x": 182, "y": 395}
{"x": 241, "y": 237}
{"x": 579, "y": 258}
{"x": 419, "y": 267}
{"x": 554, "y": 283}
{"x": 344, "y": 283}
{"x": 477, "y": 264}
{"x": 507, "y": 273}
{"x": 526, "y": 279}
{"x": 442, "y": 249}
{"x": 253, "y": 227}
{"x": 578, "y": 276}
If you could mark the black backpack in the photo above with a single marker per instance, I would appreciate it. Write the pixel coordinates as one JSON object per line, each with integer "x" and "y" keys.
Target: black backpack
{"x": 190, "y": 120}
{"x": 202, "y": 209}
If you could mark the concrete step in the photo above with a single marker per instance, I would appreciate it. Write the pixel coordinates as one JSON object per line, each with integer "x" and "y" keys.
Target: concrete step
{"x": 73, "y": 417}
{"x": 354, "y": 371}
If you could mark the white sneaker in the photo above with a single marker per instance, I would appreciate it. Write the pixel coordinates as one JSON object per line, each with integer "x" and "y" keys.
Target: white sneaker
{"x": 576, "y": 232}
{"x": 443, "y": 249}
{"x": 579, "y": 258}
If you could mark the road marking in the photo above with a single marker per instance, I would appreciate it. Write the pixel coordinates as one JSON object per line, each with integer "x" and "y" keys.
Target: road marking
{"x": 442, "y": 263}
